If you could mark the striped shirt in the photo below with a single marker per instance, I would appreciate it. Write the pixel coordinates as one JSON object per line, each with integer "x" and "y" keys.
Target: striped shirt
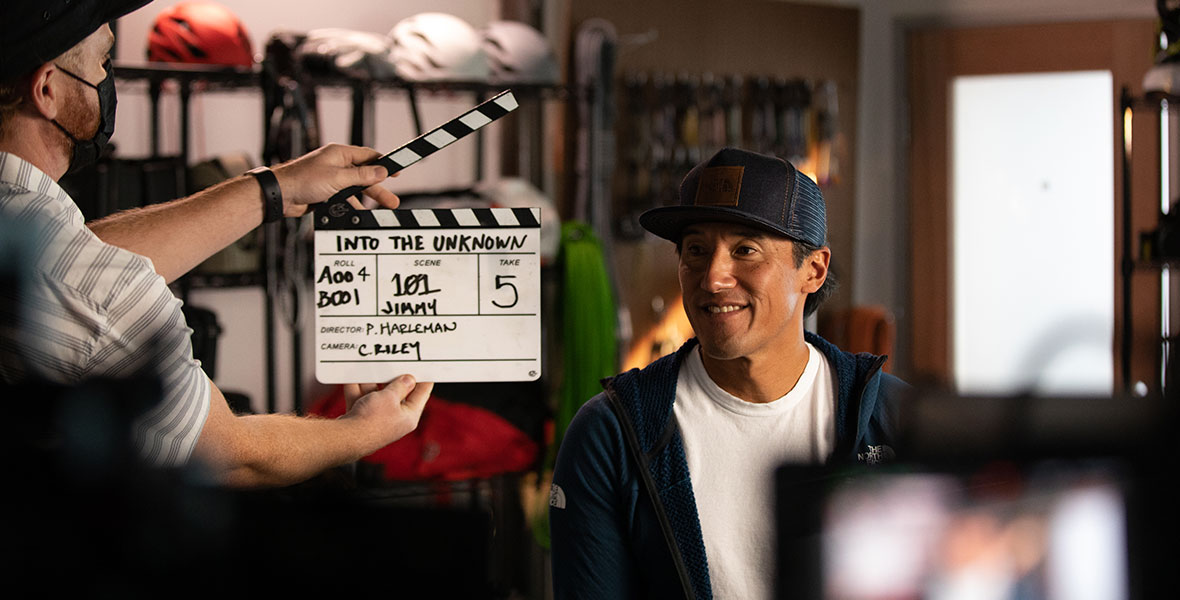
{"x": 89, "y": 309}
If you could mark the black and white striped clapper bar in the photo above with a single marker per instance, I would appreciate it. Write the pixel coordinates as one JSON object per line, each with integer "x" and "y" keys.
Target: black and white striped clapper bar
{"x": 337, "y": 212}
{"x": 447, "y": 295}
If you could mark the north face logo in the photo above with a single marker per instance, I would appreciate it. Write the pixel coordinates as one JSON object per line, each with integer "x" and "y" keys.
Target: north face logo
{"x": 556, "y": 496}
{"x": 876, "y": 455}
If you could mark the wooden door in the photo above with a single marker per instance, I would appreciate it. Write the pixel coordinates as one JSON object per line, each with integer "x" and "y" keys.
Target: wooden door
{"x": 936, "y": 58}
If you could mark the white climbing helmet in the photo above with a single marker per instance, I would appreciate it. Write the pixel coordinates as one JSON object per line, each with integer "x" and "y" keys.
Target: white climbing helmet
{"x": 514, "y": 192}
{"x": 518, "y": 53}
{"x": 434, "y": 46}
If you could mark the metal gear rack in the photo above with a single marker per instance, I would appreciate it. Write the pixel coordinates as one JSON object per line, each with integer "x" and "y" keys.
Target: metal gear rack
{"x": 1146, "y": 257}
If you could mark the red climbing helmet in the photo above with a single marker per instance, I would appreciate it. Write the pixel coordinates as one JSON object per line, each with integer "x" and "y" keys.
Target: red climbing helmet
{"x": 199, "y": 32}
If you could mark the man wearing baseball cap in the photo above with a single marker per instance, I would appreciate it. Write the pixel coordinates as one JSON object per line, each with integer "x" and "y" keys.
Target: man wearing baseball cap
{"x": 96, "y": 302}
{"x": 663, "y": 483}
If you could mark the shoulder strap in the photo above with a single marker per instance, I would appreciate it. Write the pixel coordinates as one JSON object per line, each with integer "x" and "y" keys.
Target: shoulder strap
{"x": 641, "y": 465}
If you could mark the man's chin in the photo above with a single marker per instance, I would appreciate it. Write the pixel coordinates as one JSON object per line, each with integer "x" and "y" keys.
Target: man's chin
{"x": 719, "y": 349}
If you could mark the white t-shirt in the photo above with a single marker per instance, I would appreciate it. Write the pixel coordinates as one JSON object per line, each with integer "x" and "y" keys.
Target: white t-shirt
{"x": 733, "y": 448}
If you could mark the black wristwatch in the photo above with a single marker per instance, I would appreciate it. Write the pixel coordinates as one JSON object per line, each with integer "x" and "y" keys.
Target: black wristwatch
{"x": 272, "y": 195}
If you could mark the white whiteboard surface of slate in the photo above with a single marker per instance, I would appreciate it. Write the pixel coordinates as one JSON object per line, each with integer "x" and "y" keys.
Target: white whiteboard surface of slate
{"x": 446, "y": 295}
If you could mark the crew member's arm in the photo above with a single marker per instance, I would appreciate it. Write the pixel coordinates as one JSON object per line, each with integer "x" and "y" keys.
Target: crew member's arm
{"x": 590, "y": 555}
{"x": 276, "y": 450}
{"x": 180, "y": 234}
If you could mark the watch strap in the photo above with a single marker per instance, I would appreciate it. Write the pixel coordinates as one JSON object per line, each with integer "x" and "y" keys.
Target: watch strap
{"x": 272, "y": 195}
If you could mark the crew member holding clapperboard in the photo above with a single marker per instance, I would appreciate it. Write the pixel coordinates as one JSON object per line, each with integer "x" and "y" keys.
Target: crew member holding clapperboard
{"x": 97, "y": 303}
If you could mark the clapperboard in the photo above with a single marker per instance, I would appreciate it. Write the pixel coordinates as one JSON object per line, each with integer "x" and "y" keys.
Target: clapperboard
{"x": 447, "y": 295}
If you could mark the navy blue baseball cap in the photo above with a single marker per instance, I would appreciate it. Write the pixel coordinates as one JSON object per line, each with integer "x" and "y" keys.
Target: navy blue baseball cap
{"x": 34, "y": 32}
{"x": 739, "y": 186}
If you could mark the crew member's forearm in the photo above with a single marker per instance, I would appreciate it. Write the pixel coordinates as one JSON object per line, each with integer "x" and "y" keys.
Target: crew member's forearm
{"x": 180, "y": 234}
{"x": 276, "y": 450}
{"x": 286, "y": 449}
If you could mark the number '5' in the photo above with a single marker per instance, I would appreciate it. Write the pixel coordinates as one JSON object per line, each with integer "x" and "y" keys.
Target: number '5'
{"x": 501, "y": 283}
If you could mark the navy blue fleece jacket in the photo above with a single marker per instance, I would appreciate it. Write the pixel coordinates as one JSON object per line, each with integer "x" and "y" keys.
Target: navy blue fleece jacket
{"x": 609, "y": 537}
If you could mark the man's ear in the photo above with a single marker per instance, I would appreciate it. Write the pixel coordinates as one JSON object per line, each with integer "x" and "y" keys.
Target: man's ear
{"x": 46, "y": 91}
{"x": 815, "y": 269}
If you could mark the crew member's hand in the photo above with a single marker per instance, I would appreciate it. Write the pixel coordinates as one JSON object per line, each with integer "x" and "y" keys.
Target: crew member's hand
{"x": 390, "y": 411}
{"x": 317, "y": 175}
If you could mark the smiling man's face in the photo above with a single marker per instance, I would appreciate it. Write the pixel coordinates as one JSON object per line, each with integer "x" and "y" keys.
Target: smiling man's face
{"x": 742, "y": 292}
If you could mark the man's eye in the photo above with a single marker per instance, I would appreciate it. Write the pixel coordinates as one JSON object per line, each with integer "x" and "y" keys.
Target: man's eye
{"x": 745, "y": 250}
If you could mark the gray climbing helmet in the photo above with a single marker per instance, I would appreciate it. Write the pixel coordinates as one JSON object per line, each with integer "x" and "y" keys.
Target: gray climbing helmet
{"x": 518, "y": 53}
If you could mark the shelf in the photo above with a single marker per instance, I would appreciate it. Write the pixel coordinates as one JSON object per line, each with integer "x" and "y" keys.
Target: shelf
{"x": 1157, "y": 263}
{"x": 1153, "y": 100}
{"x": 238, "y": 77}
{"x": 219, "y": 76}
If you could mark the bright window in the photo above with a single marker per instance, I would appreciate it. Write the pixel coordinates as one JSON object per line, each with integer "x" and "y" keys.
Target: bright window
{"x": 1033, "y": 233}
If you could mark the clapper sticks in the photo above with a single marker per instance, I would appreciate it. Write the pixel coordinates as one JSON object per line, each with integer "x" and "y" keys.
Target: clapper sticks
{"x": 420, "y": 147}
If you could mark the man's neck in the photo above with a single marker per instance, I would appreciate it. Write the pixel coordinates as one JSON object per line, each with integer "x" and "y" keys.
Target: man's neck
{"x": 762, "y": 378}
{"x": 35, "y": 145}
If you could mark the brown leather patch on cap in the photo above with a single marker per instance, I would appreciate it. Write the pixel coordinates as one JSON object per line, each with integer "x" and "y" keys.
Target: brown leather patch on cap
{"x": 719, "y": 186}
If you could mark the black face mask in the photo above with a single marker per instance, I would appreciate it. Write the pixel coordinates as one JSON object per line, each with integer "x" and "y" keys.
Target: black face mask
{"x": 87, "y": 151}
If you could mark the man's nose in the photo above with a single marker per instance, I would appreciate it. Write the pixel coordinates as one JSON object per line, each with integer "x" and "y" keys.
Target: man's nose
{"x": 718, "y": 273}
